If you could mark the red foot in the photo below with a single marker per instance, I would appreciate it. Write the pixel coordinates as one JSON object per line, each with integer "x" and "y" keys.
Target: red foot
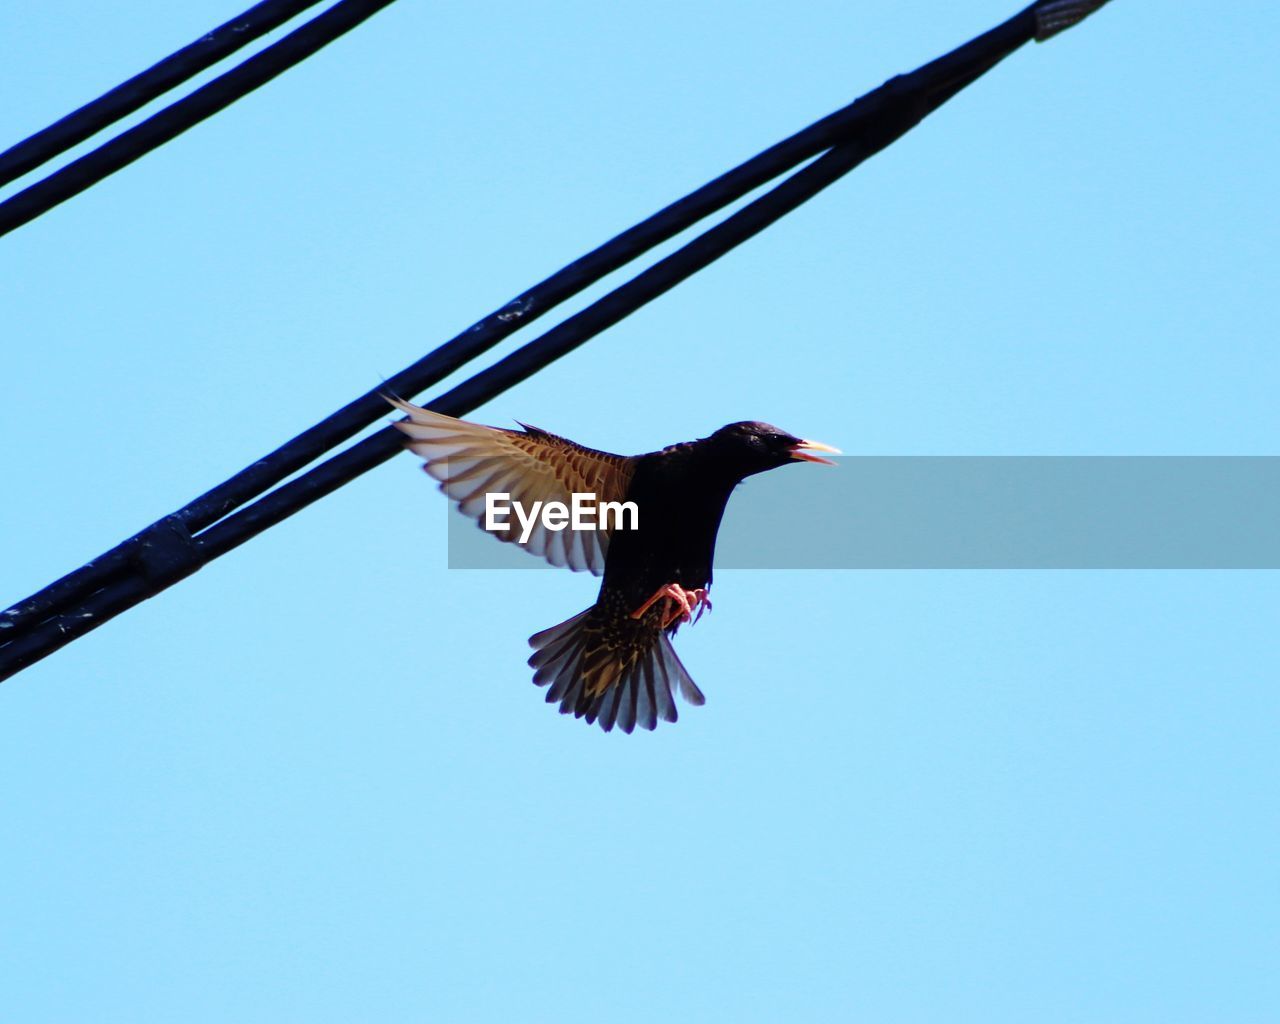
{"x": 683, "y": 603}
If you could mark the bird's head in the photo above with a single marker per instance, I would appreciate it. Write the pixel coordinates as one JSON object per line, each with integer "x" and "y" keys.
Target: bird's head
{"x": 754, "y": 447}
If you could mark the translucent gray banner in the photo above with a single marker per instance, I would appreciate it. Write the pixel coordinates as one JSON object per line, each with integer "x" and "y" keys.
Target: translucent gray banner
{"x": 981, "y": 512}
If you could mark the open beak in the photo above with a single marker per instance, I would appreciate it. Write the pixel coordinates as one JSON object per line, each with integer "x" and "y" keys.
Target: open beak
{"x": 797, "y": 452}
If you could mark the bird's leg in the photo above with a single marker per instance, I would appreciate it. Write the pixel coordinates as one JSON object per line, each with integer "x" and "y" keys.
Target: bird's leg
{"x": 701, "y": 600}
{"x": 671, "y": 592}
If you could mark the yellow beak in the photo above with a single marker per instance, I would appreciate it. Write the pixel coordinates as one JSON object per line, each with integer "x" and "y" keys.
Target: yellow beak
{"x": 817, "y": 446}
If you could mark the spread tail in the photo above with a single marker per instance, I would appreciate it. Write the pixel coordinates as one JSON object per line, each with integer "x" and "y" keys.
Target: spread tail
{"x": 624, "y": 685}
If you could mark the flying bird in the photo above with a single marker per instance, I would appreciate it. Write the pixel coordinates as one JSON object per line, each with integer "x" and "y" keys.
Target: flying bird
{"x": 612, "y": 663}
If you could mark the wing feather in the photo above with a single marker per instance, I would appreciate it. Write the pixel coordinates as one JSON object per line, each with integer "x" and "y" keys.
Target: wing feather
{"x": 470, "y": 461}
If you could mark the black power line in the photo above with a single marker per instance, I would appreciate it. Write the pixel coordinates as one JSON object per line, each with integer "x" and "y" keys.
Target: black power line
{"x": 141, "y": 89}
{"x": 187, "y": 112}
{"x": 181, "y": 543}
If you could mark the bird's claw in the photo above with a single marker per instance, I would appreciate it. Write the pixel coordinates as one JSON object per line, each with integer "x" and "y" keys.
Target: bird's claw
{"x": 684, "y": 602}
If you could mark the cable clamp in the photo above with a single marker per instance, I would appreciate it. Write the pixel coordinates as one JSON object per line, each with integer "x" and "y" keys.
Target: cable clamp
{"x": 1058, "y": 15}
{"x": 165, "y": 552}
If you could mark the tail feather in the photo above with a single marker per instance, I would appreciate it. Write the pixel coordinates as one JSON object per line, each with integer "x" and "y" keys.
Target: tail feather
{"x": 641, "y": 692}
{"x": 674, "y": 670}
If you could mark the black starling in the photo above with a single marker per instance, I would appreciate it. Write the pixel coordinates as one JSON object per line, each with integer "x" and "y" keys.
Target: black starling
{"x": 613, "y": 663}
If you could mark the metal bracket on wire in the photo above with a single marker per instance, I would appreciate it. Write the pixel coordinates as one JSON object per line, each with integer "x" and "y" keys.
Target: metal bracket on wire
{"x": 1059, "y": 15}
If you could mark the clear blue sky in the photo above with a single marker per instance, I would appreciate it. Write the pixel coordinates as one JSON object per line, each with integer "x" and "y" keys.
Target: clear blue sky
{"x": 314, "y": 783}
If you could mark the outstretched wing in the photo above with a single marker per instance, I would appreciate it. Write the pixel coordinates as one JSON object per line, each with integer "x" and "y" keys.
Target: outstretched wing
{"x": 471, "y": 461}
